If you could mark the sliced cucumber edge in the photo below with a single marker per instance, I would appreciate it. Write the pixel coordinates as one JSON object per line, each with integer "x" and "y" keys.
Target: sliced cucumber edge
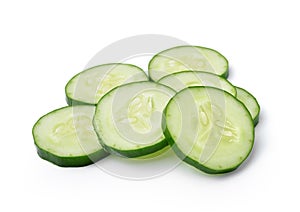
{"x": 141, "y": 152}
{"x": 256, "y": 118}
{"x": 77, "y": 161}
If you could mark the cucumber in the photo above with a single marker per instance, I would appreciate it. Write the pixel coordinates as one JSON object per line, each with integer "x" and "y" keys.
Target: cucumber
{"x": 128, "y": 118}
{"x": 90, "y": 85}
{"x": 181, "y": 80}
{"x": 209, "y": 129}
{"x": 250, "y": 102}
{"x": 66, "y": 137}
{"x": 187, "y": 58}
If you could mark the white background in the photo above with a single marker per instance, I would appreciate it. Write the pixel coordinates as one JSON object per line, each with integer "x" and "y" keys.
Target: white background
{"x": 44, "y": 43}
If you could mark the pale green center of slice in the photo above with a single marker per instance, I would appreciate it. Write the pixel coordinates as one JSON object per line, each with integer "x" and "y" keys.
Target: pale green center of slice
{"x": 110, "y": 81}
{"x": 139, "y": 112}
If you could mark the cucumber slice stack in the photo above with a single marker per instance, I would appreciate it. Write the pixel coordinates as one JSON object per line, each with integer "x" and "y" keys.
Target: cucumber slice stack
{"x": 66, "y": 136}
{"x": 186, "y": 103}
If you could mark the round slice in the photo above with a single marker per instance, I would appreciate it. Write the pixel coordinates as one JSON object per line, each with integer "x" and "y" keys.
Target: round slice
{"x": 181, "y": 80}
{"x": 187, "y": 58}
{"x": 66, "y": 137}
{"x": 90, "y": 85}
{"x": 250, "y": 102}
{"x": 128, "y": 118}
{"x": 209, "y": 129}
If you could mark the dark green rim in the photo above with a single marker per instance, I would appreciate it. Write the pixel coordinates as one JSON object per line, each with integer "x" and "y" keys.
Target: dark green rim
{"x": 137, "y": 152}
{"x": 256, "y": 118}
{"x": 77, "y": 161}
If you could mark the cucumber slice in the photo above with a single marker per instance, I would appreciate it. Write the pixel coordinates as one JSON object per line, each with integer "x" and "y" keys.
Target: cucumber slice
{"x": 90, "y": 85}
{"x": 187, "y": 58}
{"x": 209, "y": 129}
{"x": 66, "y": 137}
{"x": 128, "y": 118}
{"x": 250, "y": 102}
{"x": 181, "y": 80}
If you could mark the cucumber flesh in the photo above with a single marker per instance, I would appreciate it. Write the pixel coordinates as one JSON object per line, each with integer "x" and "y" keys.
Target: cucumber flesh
{"x": 90, "y": 85}
{"x": 250, "y": 102}
{"x": 66, "y": 137}
{"x": 209, "y": 129}
{"x": 181, "y": 80}
{"x": 128, "y": 118}
{"x": 182, "y": 58}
